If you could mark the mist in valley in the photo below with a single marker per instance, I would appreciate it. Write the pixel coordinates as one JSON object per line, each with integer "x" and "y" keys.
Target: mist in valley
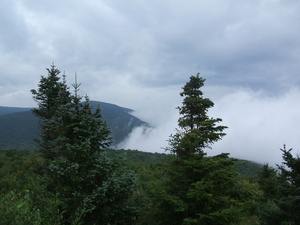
{"x": 259, "y": 124}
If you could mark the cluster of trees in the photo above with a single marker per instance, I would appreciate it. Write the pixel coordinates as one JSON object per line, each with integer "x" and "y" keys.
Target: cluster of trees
{"x": 75, "y": 179}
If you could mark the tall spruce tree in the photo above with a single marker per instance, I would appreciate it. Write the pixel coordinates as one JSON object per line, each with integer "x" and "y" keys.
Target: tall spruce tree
{"x": 200, "y": 190}
{"x": 92, "y": 188}
{"x": 51, "y": 94}
{"x": 269, "y": 182}
{"x": 281, "y": 202}
{"x": 289, "y": 201}
{"x": 197, "y": 130}
{"x": 268, "y": 210}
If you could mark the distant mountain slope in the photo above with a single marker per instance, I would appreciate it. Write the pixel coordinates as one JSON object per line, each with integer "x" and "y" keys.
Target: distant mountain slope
{"x": 119, "y": 119}
{"x": 7, "y": 110}
{"x": 17, "y": 130}
{"x": 18, "y": 126}
{"x": 244, "y": 167}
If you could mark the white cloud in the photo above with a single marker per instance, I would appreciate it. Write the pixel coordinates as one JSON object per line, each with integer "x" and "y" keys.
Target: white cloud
{"x": 150, "y": 139}
{"x": 259, "y": 125}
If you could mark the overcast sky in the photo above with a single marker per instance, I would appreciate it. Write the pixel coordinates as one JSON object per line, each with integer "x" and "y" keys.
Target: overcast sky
{"x": 138, "y": 54}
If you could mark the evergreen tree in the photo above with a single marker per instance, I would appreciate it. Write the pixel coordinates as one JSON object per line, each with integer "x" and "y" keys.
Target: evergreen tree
{"x": 290, "y": 187}
{"x": 51, "y": 94}
{"x": 268, "y": 210}
{"x": 200, "y": 190}
{"x": 92, "y": 188}
{"x": 197, "y": 130}
{"x": 281, "y": 200}
{"x": 268, "y": 182}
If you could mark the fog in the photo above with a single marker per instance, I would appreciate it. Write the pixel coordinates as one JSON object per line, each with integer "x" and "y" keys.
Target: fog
{"x": 259, "y": 124}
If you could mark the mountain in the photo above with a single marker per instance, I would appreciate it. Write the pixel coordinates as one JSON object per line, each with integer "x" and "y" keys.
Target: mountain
{"x": 19, "y": 126}
{"x": 7, "y": 110}
{"x": 17, "y": 130}
{"x": 119, "y": 119}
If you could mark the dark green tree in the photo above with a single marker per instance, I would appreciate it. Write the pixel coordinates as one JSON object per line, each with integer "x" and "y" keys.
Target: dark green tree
{"x": 23, "y": 199}
{"x": 92, "y": 188}
{"x": 281, "y": 199}
{"x": 268, "y": 181}
{"x": 197, "y": 130}
{"x": 51, "y": 94}
{"x": 290, "y": 187}
{"x": 200, "y": 189}
{"x": 268, "y": 210}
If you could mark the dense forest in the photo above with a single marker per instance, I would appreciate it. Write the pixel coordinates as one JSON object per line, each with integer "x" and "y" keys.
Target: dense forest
{"x": 75, "y": 177}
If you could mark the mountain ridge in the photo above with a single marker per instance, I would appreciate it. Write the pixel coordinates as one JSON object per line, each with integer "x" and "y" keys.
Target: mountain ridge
{"x": 19, "y": 126}
{"x": 4, "y": 110}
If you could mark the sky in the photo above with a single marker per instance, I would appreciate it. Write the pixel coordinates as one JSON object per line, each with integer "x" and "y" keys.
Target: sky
{"x": 138, "y": 54}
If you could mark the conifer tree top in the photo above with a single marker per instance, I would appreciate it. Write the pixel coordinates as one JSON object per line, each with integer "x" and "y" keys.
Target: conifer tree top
{"x": 197, "y": 129}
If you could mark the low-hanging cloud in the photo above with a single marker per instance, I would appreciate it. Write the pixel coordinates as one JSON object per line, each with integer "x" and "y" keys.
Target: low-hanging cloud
{"x": 258, "y": 126}
{"x": 152, "y": 139}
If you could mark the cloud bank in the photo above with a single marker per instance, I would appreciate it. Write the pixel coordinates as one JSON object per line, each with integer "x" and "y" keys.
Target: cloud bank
{"x": 259, "y": 124}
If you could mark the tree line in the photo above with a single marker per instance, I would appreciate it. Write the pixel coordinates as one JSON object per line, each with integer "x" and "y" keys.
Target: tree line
{"x": 75, "y": 179}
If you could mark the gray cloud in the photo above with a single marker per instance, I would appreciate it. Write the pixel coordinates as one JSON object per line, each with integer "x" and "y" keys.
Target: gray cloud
{"x": 247, "y": 43}
{"x": 259, "y": 125}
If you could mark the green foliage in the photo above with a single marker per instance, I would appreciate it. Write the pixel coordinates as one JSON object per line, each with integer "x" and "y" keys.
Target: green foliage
{"x": 50, "y": 96}
{"x": 24, "y": 199}
{"x": 18, "y": 170}
{"x": 150, "y": 190}
{"x": 199, "y": 189}
{"x": 268, "y": 181}
{"x": 248, "y": 169}
{"x": 92, "y": 188}
{"x": 20, "y": 208}
{"x": 17, "y": 208}
{"x": 280, "y": 202}
{"x": 98, "y": 193}
{"x": 290, "y": 187}
{"x": 155, "y": 192}
{"x": 213, "y": 193}
{"x": 139, "y": 157}
{"x": 198, "y": 131}
{"x": 268, "y": 209}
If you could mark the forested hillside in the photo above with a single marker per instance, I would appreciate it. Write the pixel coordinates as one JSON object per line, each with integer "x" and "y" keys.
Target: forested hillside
{"x": 23, "y": 194}
{"x": 19, "y": 127}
